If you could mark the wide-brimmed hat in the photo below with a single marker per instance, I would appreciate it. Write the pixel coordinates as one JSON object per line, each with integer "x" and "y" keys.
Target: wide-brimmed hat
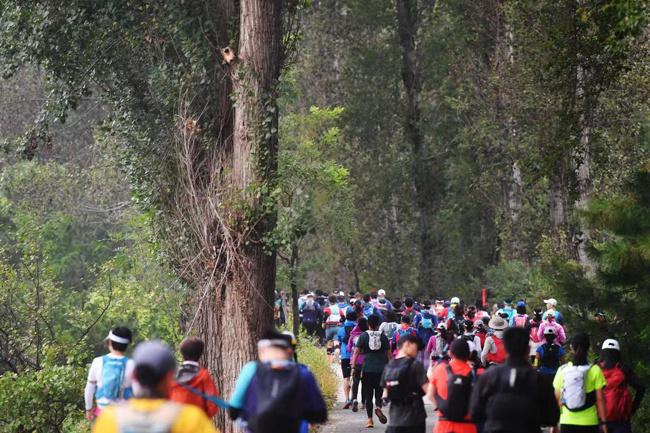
{"x": 498, "y": 323}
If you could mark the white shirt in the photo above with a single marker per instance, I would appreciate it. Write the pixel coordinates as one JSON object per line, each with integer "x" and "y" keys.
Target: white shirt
{"x": 95, "y": 378}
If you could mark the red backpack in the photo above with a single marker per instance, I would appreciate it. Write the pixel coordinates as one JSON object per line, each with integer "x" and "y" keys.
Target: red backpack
{"x": 521, "y": 320}
{"x": 618, "y": 400}
{"x": 500, "y": 356}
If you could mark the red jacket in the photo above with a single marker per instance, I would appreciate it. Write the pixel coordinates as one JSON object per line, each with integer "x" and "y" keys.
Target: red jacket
{"x": 200, "y": 379}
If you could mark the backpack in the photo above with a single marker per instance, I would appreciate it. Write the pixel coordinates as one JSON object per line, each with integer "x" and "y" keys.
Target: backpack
{"x": 368, "y": 310}
{"x": 500, "y": 356}
{"x": 521, "y": 320}
{"x": 113, "y": 372}
{"x": 160, "y": 420}
{"x": 618, "y": 400}
{"x": 426, "y": 322}
{"x": 574, "y": 395}
{"x": 390, "y": 330}
{"x": 276, "y": 392}
{"x": 410, "y": 314}
{"x": 459, "y": 390}
{"x": 310, "y": 313}
{"x": 348, "y": 330}
{"x": 398, "y": 382}
{"x": 335, "y": 315}
{"x": 551, "y": 358}
{"x": 374, "y": 340}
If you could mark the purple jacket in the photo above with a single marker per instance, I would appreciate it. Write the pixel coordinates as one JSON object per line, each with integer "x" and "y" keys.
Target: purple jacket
{"x": 355, "y": 333}
{"x": 559, "y": 331}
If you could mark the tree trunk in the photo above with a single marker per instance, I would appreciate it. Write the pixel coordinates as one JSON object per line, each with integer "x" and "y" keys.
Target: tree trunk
{"x": 295, "y": 311}
{"x": 237, "y": 309}
{"x": 558, "y": 202}
{"x": 423, "y": 176}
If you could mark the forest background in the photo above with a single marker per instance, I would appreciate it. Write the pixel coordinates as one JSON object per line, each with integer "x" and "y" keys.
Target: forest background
{"x": 426, "y": 147}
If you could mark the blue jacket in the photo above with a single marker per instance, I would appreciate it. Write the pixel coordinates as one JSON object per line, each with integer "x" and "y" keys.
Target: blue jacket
{"x": 345, "y": 354}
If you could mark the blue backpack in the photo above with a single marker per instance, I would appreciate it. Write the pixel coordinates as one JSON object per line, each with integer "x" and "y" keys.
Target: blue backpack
{"x": 113, "y": 372}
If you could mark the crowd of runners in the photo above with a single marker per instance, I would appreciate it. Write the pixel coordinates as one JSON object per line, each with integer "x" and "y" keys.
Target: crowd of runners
{"x": 503, "y": 369}
{"x": 500, "y": 369}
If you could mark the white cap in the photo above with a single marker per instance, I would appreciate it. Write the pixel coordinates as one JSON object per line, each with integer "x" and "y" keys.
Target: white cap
{"x": 549, "y": 331}
{"x": 455, "y": 300}
{"x": 610, "y": 343}
{"x": 441, "y": 325}
{"x": 551, "y": 301}
{"x": 341, "y": 294}
{"x": 381, "y": 292}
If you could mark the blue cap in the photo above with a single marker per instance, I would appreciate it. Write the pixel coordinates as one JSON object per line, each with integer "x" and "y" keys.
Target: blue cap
{"x": 521, "y": 304}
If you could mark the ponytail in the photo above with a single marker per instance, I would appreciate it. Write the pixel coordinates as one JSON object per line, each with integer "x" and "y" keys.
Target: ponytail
{"x": 580, "y": 345}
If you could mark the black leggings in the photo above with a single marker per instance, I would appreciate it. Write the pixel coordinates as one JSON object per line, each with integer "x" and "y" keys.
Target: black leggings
{"x": 371, "y": 388}
{"x": 356, "y": 380}
{"x": 570, "y": 428}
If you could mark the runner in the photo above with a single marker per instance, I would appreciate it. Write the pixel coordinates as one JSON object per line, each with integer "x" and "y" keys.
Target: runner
{"x": 275, "y": 394}
{"x": 404, "y": 329}
{"x": 376, "y": 350}
{"x": 405, "y": 383}
{"x": 520, "y": 319}
{"x": 494, "y": 350}
{"x": 440, "y": 310}
{"x": 346, "y": 368}
{"x": 357, "y": 367}
{"x": 312, "y": 315}
{"x": 511, "y": 398}
{"x": 551, "y": 305}
{"x": 333, "y": 316}
{"x": 481, "y": 332}
{"x": 150, "y": 411}
{"x": 619, "y": 377}
{"x": 535, "y": 341}
{"x": 451, "y": 308}
{"x": 410, "y": 311}
{"x": 451, "y": 388}
{"x": 470, "y": 336}
{"x": 506, "y": 310}
{"x": 109, "y": 378}
{"x": 368, "y": 308}
{"x": 438, "y": 345}
{"x": 192, "y": 375}
{"x": 390, "y": 326}
{"x": 550, "y": 322}
{"x": 549, "y": 356}
{"x": 383, "y": 300}
{"x": 579, "y": 391}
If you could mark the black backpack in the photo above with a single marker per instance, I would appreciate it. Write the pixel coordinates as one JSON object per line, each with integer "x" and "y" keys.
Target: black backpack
{"x": 551, "y": 358}
{"x": 399, "y": 383}
{"x": 348, "y": 331}
{"x": 276, "y": 390}
{"x": 459, "y": 390}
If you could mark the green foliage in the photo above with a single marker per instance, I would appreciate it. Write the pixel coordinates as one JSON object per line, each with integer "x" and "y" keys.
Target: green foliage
{"x": 43, "y": 401}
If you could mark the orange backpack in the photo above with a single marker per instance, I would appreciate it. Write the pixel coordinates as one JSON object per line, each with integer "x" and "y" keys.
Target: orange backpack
{"x": 500, "y": 356}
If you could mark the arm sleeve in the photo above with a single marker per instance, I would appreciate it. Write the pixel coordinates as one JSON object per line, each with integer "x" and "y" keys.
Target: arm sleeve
{"x": 315, "y": 409}
{"x": 540, "y": 331}
{"x": 238, "y": 398}
{"x": 486, "y": 350}
{"x": 91, "y": 386}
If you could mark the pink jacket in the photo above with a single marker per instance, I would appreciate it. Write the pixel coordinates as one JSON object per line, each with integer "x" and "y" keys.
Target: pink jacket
{"x": 354, "y": 333}
{"x": 559, "y": 331}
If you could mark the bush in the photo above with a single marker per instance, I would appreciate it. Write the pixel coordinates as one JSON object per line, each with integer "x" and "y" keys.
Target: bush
{"x": 44, "y": 401}
{"x": 314, "y": 356}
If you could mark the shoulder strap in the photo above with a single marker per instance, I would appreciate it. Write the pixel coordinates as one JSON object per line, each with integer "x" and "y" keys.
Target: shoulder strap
{"x": 211, "y": 398}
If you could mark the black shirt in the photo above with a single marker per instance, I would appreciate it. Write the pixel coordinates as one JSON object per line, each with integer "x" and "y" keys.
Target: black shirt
{"x": 412, "y": 414}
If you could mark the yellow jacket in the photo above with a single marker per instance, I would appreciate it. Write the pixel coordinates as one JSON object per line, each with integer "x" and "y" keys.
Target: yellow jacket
{"x": 182, "y": 418}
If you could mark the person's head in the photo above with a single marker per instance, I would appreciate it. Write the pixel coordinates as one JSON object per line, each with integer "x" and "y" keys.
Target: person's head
{"x": 366, "y": 298}
{"x": 498, "y": 323}
{"x": 600, "y": 317}
{"x": 340, "y": 299}
{"x": 459, "y": 349}
{"x": 332, "y": 299}
{"x": 310, "y": 298}
{"x": 426, "y": 304}
{"x": 391, "y": 317}
{"x": 293, "y": 343}
{"x": 118, "y": 339}
{"x": 374, "y": 321}
{"x": 537, "y": 316}
{"x": 441, "y": 329}
{"x": 549, "y": 335}
{"x": 351, "y": 315}
{"x": 454, "y": 301}
{"x": 381, "y": 293}
{"x": 192, "y": 348}
{"x": 610, "y": 353}
{"x": 580, "y": 348}
{"x": 373, "y": 294}
{"x": 408, "y": 302}
{"x": 551, "y": 303}
{"x": 550, "y": 315}
{"x": 273, "y": 346}
{"x": 479, "y": 325}
{"x": 358, "y": 307}
{"x": 459, "y": 311}
{"x": 516, "y": 342}
{"x": 468, "y": 326}
{"x": 363, "y": 324}
{"x": 485, "y": 320}
{"x": 358, "y": 296}
{"x": 507, "y": 302}
{"x": 154, "y": 369}
{"x": 521, "y": 307}
{"x": 397, "y": 305}
{"x": 409, "y": 345}
{"x": 406, "y": 320}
